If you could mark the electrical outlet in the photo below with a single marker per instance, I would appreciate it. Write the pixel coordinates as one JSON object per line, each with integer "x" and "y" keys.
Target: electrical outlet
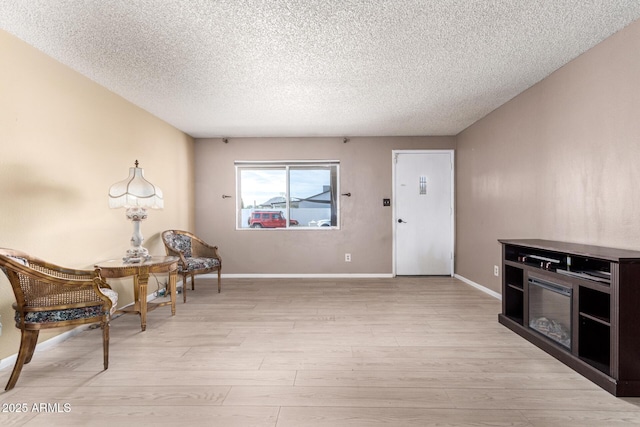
{"x": 347, "y": 257}
{"x": 496, "y": 270}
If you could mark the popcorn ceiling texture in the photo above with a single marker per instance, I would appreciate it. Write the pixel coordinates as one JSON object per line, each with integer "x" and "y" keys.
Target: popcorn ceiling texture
{"x": 316, "y": 67}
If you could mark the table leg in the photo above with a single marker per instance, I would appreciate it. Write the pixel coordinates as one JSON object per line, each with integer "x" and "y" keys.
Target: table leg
{"x": 143, "y": 280}
{"x": 172, "y": 290}
{"x": 136, "y": 293}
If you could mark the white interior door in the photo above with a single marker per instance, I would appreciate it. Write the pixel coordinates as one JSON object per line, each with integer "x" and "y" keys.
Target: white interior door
{"x": 423, "y": 212}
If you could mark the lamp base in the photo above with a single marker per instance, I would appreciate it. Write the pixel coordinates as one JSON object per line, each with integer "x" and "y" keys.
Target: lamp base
{"x": 136, "y": 253}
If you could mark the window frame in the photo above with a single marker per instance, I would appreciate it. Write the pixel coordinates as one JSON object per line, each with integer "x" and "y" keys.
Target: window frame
{"x": 287, "y": 165}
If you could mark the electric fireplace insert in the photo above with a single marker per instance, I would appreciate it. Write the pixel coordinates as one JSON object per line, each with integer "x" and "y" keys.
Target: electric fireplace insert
{"x": 550, "y": 310}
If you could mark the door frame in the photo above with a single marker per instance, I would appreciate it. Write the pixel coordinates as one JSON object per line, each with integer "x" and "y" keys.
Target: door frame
{"x": 453, "y": 201}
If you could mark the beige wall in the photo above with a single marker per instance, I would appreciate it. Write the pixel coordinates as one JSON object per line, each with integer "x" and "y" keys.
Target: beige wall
{"x": 560, "y": 161}
{"x": 64, "y": 140}
{"x": 366, "y": 227}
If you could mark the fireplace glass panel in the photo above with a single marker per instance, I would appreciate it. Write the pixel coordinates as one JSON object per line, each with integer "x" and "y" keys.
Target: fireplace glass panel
{"x": 550, "y": 310}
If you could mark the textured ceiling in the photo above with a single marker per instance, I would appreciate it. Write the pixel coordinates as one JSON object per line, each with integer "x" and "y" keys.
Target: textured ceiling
{"x": 316, "y": 67}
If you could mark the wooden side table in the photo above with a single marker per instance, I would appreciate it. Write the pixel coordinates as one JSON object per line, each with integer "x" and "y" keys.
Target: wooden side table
{"x": 114, "y": 269}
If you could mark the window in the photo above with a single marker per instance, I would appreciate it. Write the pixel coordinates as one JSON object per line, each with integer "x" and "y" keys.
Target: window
{"x": 287, "y": 194}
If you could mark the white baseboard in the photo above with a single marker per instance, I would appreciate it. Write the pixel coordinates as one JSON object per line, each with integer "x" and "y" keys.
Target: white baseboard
{"x": 478, "y": 286}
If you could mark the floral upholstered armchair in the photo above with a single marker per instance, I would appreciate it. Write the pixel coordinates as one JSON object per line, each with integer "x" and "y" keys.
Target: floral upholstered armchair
{"x": 196, "y": 256}
{"x": 49, "y": 296}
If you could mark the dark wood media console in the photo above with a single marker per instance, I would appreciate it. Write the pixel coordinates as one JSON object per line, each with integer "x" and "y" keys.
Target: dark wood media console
{"x": 579, "y": 303}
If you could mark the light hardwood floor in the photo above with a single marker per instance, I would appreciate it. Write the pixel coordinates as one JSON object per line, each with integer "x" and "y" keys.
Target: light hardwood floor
{"x": 376, "y": 352}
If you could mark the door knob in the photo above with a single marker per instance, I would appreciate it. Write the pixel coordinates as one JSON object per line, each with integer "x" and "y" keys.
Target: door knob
{"x": 400, "y": 221}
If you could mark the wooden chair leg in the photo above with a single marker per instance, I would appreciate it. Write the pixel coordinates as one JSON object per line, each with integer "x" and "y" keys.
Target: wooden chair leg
{"x": 31, "y": 349}
{"x": 193, "y": 282}
{"x": 27, "y": 347}
{"x": 105, "y": 343}
{"x": 219, "y": 286}
{"x": 184, "y": 287}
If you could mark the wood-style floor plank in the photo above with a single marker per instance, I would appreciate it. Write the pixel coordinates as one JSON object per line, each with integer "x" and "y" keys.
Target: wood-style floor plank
{"x": 314, "y": 352}
{"x": 406, "y": 417}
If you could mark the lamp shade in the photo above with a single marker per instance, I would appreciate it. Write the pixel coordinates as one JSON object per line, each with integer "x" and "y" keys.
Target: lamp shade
{"x": 135, "y": 191}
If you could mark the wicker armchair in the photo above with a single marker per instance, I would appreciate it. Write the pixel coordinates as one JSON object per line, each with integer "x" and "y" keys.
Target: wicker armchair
{"x": 49, "y": 296}
{"x": 196, "y": 256}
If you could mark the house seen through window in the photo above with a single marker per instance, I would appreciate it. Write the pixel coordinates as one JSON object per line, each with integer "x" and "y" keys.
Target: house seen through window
{"x": 287, "y": 194}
